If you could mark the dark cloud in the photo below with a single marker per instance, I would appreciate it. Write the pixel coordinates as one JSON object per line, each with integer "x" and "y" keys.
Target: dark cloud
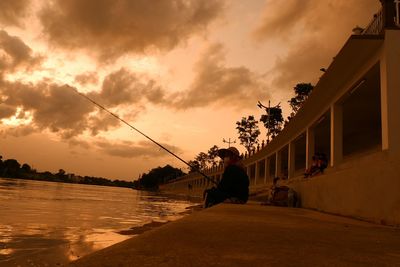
{"x": 126, "y": 149}
{"x": 74, "y": 141}
{"x": 53, "y": 107}
{"x": 17, "y": 131}
{"x": 314, "y": 31}
{"x": 301, "y": 64}
{"x": 112, "y": 28}
{"x": 155, "y": 93}
{"x": 12, "y": 11}
{"x": 60, "y": 109}
{"x": 216, "y": 83}
{"x": 7, "y": 111}
{"x": 102, "y": 122}
{"x": 14, "y": 53}
{"x": 280, "y": 17}
{"x": 87, "y": 78}
{"x": 126, "y": 88}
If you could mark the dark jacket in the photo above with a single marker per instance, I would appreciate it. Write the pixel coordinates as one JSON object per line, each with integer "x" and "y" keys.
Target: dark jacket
{"x": 235, "y": 183}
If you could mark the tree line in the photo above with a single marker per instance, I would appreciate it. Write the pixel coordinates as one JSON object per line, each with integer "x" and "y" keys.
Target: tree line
{"x": 156, "y": 177}
{"x": 11, "y": 168}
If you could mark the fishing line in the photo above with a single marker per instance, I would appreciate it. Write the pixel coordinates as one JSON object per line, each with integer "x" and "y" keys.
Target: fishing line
{"x": 145, "y": 135}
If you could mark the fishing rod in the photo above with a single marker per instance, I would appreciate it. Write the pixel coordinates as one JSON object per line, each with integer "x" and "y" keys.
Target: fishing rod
{"x": 145, "y": 135}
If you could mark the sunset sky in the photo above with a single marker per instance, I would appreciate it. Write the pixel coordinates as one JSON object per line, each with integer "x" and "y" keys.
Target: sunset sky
{"x": 182, "y": 71}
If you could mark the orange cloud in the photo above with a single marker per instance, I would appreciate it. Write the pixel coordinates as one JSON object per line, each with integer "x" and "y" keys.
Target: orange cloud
{"x": 216, "y": 83}
{"x": 61, "y": 110}
{"x": 54, "y": 107}
{"x": 14, "y": 53}
{"x": 87, "y": 78}
{"x": 313, "y": 31}
{"x": 123, "y": 87}
{"x": 7, "y": 111}
{"x": 280, "y": 17}
{"x": 113, "y": 28}
{"x": 12, "y": 11}
{"x": 127, "y": 149}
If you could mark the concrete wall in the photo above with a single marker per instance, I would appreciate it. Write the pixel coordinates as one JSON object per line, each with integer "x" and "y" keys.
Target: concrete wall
{"x": 365, "y": 187}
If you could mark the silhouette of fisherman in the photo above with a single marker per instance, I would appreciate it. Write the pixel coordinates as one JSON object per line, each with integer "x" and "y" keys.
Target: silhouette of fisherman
{"x": 234, "y": 184}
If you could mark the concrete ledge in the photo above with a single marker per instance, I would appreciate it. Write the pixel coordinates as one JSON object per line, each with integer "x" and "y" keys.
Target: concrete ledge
{"x": 255, "y": 235}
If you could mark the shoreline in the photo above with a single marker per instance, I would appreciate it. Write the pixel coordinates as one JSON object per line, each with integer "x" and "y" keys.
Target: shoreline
{"x": 137, "y": 230}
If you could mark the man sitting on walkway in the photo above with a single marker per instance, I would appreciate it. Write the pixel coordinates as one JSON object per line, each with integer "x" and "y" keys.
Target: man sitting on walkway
{"x": 234, "y": 184}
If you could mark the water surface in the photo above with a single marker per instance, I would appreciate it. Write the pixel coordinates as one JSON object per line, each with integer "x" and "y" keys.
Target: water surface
{"x": 50, "y": 224}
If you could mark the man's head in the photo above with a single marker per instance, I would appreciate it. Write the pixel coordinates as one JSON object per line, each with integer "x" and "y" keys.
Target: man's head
{"x": 229, "y": 155}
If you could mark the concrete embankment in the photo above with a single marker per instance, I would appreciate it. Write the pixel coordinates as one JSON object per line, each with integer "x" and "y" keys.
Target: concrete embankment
{"x": 255, "y": 235}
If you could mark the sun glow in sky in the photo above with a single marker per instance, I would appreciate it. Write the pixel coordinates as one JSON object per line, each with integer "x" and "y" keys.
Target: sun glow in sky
{"x": 181, "y": 71}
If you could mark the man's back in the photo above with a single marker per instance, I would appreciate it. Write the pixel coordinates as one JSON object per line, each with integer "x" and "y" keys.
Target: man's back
{"x": 235, "y": 182}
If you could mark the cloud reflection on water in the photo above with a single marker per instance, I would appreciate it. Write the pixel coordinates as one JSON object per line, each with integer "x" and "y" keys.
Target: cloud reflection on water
{"x": 51, "y": 223}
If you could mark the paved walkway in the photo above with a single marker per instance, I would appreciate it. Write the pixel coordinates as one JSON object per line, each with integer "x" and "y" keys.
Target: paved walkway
{"x": 255, "y": 235}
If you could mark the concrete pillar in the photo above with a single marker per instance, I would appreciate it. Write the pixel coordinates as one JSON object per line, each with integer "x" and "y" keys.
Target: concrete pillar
{"x": 310, "y": 146}
{"x": 266, "y": 170}
{"x": 336, "y": 134}
{"x": 389, "y": 13}
{"x": 291, "y": 159}
{"x": 390, "y": 92}
{"x": 278, "y": 164}
{"x": 257, "y": 172}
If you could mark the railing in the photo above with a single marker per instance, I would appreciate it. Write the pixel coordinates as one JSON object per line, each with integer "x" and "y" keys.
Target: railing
{"x": 375, "y": 27}
{"x": 397, "y": 20}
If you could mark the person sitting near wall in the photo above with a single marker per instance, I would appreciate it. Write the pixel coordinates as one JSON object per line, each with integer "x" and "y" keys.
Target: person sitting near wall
{"x": 313, "y": 168}
{"x": 274, "y": 188}
{"x": 234, "y": 185}
{"x": 318, "y": 165}
{"x": 322, "y": 162}
{"x": 281, "y": 195}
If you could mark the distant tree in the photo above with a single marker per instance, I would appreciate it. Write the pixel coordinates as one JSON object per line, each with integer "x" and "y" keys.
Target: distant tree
{"x": 122, "y": 183}
{"x": 213, "y": 155}
{"x": 12, "y": 168}
{"x": 194, "y": 166}
{"x": 26, "y": 171}
{"x": 47, "y": 175}
{"x": 203, "y": 159}
{"x": 302, "y": 91}
{"x": 248, "y": 132}
{"x": 62, "y": 176}
{"x": 1, "y": 166}
{"x": 26, "y": 168}
{"x": 157, "y": 176}
{"x": 272, "y": 120}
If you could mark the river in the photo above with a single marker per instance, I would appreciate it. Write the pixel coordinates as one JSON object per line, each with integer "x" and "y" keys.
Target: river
{"x": 51, "y": 224}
